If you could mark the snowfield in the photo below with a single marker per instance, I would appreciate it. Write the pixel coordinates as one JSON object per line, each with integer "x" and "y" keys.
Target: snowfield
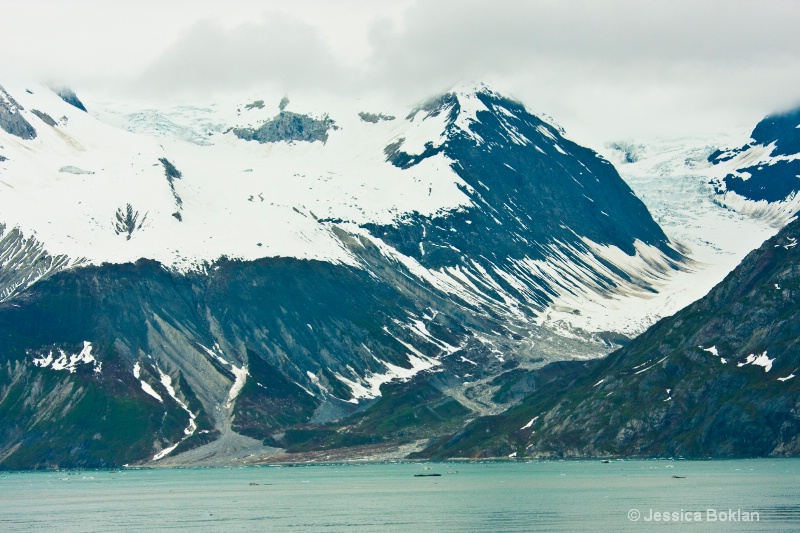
{"x": 672, "y": 179}
{"x": 96, "y": 188}
{"x": 235, "y": 198}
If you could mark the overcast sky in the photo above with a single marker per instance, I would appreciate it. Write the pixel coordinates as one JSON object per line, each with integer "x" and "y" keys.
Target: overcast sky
{"x": 605, "y": 69}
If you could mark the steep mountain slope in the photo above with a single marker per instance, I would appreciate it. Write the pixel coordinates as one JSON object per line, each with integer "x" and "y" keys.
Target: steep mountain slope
{"x": 761, "y": 176}
{"x": 716, "y": 379}
{"x": 697, "y": 190}
{"x": 284, "y": 268}
{"x": 673, "y": 178}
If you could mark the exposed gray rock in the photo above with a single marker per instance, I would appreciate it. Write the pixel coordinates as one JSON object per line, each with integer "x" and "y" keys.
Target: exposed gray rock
{"x": 47, "y": 119}
{"x": 716, "y": 379}
{"x": 127, "y": 221}
{"x": 306, "y": 330}
{"x": 69, "y": 96}
{"x": 173, "y": 174}
{"x": 288, "y": 126}
{"x": 10, "y": 118}
{"x": 374, "y": 118}
{"x": 24, "y": 261}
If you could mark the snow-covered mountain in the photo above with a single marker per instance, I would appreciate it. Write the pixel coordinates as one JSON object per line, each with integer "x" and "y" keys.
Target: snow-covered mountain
{"x": 761, "y": 176}
{"x": 718, "y": 202}
{"x": 252, "y": 265}
{"x": 675, "y": 179}
{"x": 753, "y": 173}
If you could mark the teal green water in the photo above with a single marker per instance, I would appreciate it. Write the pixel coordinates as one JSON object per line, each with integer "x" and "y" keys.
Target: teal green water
{"x": 506, "y": 496}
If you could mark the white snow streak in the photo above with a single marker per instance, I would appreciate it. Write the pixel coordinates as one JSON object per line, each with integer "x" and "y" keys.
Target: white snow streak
{"x": 58, "y": 359}
{"x": 149, "y": 390}
{"x": 758, "y": 360}
{"x": 240, "y": 374}
{"x": 713, "y": 350}
{"x": 529, "y": 424}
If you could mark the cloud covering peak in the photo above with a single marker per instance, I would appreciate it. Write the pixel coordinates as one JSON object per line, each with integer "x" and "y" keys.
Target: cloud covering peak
{"x": 604, "y": 68}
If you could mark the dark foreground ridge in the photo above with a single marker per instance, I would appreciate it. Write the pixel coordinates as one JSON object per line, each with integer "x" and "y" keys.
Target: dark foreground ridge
{"x": 716, "y": 379}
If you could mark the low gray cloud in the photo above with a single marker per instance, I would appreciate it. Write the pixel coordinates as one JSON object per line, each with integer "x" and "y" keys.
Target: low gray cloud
{"x": 624, "y": 65}
{"x": 604, "y": 68}
{"x": 276, "y": 49}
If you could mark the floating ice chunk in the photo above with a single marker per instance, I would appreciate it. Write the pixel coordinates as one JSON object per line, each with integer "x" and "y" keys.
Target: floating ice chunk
{"x": 786, "y": 378}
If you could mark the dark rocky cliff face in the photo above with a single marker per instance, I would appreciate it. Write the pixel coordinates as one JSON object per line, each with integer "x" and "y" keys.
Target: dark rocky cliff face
{"x": 530, "y": 186}
{"x": 716, "y": 379}
{"x": 25, "y": 261}
{"x": 10, "y": 118}
{"x": 284, "y": 320}
{"x": 69, "y": 96}
{"x": 771, "y": 173}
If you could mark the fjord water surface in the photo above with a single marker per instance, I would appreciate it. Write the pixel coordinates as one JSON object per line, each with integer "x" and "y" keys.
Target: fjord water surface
{"x": 490, "y": 496}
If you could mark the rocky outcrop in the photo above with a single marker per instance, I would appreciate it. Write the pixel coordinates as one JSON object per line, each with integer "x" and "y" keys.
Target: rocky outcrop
{"x": 127, "y": 221}
{"x": 69, "y": 96}
{"x": 44, "y": 117}
{"x": 173, "y": 174}
{"x": 11, "y": 120}
{"x": 24, "y": 261}
{"x": 288, "y": 126}
{"x": 541, "y": 187}
{"x": 374, "y": 118}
